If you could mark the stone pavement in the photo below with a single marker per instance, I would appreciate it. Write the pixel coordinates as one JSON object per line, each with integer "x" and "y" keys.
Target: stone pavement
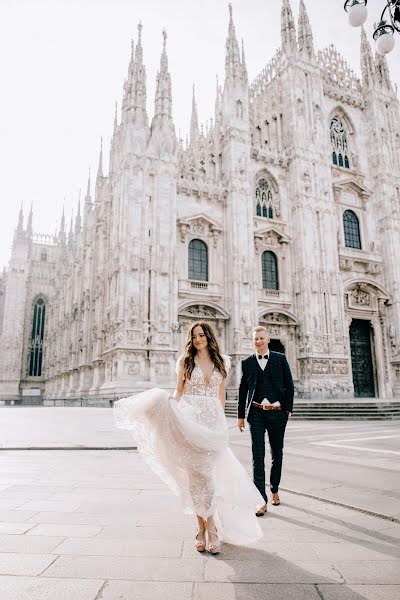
{"x": 98, "y": 525}
{"x": 353, "y": 463}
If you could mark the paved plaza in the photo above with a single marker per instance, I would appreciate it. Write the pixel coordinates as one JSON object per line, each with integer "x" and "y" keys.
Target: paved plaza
{"x": 87, "y": 520}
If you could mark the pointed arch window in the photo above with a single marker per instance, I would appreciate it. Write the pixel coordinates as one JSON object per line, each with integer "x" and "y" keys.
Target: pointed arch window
{"x": 270, "y": 277}
{"x": 340, "y": 150}
{"x": 37, "y": 337}
{"x": 264, "y": 206}
{"x": 351, "y": 226}
{"x": 198, "y": 260}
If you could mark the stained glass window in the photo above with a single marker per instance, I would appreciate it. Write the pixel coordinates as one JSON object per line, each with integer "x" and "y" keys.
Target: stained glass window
{"x": 340, "y": 150}
{"x": 36, "y": 342}
{"x": 264, "y": 199}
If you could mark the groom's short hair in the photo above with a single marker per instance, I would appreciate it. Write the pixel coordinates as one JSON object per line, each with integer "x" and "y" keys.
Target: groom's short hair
{"x": 259, "y": 328}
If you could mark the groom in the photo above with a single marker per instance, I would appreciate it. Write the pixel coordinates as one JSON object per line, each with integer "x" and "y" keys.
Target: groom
{"x": 266, "y": 398}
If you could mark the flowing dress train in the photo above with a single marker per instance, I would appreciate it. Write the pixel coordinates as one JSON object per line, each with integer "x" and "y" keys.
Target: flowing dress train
{"x": 186, "y": 444}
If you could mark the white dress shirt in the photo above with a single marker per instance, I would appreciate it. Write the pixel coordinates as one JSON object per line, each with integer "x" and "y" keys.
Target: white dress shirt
{"x": 262, "y": 361}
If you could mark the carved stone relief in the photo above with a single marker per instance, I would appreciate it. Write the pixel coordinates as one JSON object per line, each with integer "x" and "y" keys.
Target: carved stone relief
{"x": 134, "y": 368}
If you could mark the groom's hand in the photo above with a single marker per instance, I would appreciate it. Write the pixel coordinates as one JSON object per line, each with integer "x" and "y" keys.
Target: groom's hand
{"x": 241, "y": 424}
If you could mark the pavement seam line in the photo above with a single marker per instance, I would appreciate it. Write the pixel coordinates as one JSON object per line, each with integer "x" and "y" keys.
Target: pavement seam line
{"x": 48, "y": 566}
{"x": 336, "y": 570}
{"x": 59, "y": 544}
{"x": 320, "y": 594}
{"x": 318, "y": 591}
{"x": 99, "y": 594}
{"x": 342, "y": 505}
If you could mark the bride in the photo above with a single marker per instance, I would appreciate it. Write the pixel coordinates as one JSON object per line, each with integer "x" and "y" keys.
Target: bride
{"x": 184, "y": 439}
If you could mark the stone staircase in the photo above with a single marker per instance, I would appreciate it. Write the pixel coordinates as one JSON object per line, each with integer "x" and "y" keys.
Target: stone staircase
{"x": 337, "y": 410}
{"x": 346, "y": 409}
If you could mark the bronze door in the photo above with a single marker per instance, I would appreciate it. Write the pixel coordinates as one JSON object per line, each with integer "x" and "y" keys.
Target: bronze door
{"x": 361, "y": 359}
{"x": 276, "y": 346}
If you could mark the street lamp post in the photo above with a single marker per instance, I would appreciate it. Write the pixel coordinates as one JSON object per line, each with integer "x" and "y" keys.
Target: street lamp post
{"x": 384, "y": 30}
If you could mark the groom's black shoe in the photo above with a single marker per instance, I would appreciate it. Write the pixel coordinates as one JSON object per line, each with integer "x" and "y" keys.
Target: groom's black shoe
{"x": 261, "y": 511}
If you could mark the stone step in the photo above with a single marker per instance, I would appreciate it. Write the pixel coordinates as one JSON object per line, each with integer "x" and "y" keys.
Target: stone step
{"x": 345, "y": 410}
{"x": 308, "y": 410}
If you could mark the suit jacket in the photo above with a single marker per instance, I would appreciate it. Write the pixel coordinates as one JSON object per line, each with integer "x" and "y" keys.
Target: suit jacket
{"x": 280, "y": 382}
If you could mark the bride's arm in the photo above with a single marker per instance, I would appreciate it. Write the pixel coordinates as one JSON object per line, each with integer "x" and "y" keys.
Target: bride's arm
{"x": 180, "y": 382}
{"x": 221, "y": 394}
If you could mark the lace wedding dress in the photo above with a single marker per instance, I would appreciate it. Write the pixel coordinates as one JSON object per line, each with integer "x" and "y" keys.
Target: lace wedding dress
{"x": 186, "y": 444}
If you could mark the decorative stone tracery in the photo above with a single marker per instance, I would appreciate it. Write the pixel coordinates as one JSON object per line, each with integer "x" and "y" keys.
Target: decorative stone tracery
{"x": 199, "y": 226}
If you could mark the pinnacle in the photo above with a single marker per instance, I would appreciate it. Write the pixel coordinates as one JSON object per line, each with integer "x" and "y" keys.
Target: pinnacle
{"x": 100, "y": 167}
{"x": 163, "y": 95}
{"x": 232, "y": 55}
{"x": 288, "y": 30}
{"x": 305, "y": 36}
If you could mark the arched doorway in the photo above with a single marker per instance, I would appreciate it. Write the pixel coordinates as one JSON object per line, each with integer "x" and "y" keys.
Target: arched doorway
{"x": 362, "y": 359}
{"x": 276, "y": 346}
{"x": 367, "y": 305}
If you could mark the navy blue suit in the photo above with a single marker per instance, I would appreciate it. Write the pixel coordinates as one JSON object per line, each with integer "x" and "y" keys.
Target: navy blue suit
{"x": 276, "y": 384}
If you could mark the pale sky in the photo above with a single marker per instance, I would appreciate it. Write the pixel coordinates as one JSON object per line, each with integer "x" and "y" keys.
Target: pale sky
{"x": 63, "y": 63}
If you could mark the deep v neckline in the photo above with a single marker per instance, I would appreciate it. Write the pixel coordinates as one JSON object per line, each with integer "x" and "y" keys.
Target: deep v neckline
{"x": 206, "y": 385}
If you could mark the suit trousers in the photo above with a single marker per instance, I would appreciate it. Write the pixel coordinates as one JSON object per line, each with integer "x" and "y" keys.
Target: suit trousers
{"x": 274, "y": 423}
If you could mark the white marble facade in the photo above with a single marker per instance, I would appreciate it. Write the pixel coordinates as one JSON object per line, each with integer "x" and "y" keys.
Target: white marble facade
{"x": 116, "y": 288}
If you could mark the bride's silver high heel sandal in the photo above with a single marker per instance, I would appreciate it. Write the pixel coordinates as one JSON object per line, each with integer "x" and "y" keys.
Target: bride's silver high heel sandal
{"x": 201, "y": 546}
{"x": 213, "y": 548}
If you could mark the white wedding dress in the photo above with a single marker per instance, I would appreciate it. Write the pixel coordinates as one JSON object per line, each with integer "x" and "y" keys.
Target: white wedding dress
{"x": 186, "y": 444}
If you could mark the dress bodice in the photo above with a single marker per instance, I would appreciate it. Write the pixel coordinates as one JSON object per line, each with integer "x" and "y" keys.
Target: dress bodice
{"x": 200, "y": 398}
{"x": 197, "y": 386}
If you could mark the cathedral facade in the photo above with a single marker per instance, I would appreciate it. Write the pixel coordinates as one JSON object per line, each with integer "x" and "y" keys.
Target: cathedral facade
{"x": 284, "y": 211}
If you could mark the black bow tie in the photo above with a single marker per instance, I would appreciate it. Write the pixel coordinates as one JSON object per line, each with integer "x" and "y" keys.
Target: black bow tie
{"x": 260, "y": 356}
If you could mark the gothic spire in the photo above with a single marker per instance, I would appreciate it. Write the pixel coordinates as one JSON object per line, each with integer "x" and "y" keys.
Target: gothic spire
{"x": 87, "y": 203}
{"x": 288, "y": 29}
{"x": 129, "y": 80}
{"x": 163, "y": 96}
{"x": 232, "y": 54}
{"x": 218, "y": 116}
{"x": 71, "y": 231}
{"x": 88, "y": 197}
{"x": 116, "y": 118}
{"x": 20, "y": 227}
{"x": 134, "y": 98}
{"x": 78, "y": 220}
{"x": 194, "y": 122}
{"x": 29, "y": 228}
{"x": 382, "y": 71}
{"x": 100, "y": 167}
{"x": 61, "y": 234}
{"x": 138, "y": 93}
{"x": 305, "y": 36}
{"x": 62, "y": 224}
{"x": 367, "y": 60}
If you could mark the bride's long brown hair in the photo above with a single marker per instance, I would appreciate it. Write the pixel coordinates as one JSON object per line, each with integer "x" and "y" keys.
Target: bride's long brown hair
{"x": 190, "y": 351}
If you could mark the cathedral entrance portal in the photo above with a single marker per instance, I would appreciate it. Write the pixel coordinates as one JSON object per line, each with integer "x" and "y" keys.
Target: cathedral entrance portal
{"x": 281, "y": 326}
{"x": 361, "y": 358}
